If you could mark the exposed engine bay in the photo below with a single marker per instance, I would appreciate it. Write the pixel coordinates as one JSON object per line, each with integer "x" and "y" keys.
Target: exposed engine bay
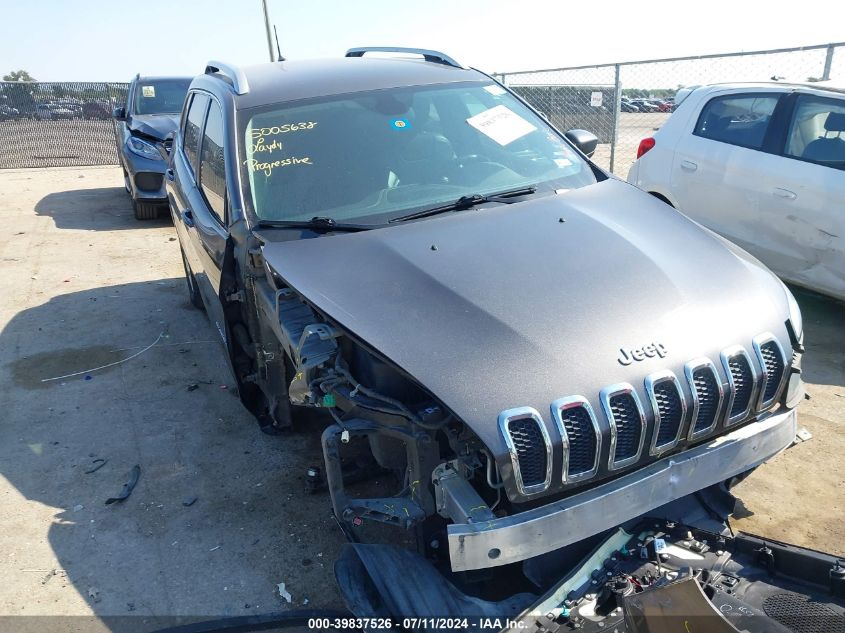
{"x": 653, "y": 576}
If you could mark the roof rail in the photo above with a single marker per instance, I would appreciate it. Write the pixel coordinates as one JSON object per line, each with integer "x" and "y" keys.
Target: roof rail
{"x": 430, "y": 56}
{"x": 232, "y": 73}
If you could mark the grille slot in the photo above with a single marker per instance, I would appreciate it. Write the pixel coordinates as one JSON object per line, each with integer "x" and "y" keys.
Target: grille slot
{"x": 742, "y": 383}
{"x": 528, "y": 442}
{"x": 530, "y": 450}
{"x": 669, "y": 408}
{"x": 706, "y": 396}
{"x": 581, "y": 439}
{"x": 771, "y": 358}
{"x": 628, "y": 428}
{"x": 627, "y": 424}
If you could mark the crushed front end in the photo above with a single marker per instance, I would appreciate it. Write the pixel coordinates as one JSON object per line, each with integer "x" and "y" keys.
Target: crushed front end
{"x": 515, "y": 428}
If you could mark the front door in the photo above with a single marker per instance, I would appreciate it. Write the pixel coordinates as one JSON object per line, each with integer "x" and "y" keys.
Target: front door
{"x": 199, "y": 201}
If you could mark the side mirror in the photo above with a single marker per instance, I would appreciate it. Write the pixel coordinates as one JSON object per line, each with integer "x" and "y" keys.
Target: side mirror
{"x": 583, "y": 140}
{"x": 119, "y": 113}
{"x": 165, "y": 146}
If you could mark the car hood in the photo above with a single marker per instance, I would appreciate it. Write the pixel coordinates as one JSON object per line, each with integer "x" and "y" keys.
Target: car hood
{"x": 518, "y": 305}
{"x": 154, "y": 125}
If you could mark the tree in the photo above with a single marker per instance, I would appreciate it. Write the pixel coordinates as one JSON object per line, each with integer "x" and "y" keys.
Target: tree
{"x": 18, "y": 75}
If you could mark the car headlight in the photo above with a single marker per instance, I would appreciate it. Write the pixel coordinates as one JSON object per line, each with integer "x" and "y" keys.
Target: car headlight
{"x": 143, "y": 148}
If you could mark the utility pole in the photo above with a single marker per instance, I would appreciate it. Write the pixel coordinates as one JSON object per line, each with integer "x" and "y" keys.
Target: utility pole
{"x": 267, "y": 27}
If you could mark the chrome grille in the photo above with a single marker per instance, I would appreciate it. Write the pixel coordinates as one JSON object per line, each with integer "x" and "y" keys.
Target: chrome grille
{"x": 706, "y": 396}
{"x": 627, "y": 424}
{"x": 530, "y": 449}
{"x": 579, "y": 431}
{"x": 750, "y": 387}
{"x": 669, "y": 408}
{"x": 771, "y": 358}
{"x": 741, "y": 383}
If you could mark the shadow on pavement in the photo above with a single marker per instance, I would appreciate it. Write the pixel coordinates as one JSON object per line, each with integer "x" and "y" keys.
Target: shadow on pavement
{"x": 103, "y": 209}
{"x": 219, "y": 516}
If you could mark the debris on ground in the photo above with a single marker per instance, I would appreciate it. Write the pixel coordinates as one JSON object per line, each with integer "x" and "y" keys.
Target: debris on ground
{"x": 49, "y": 575}
{"x": 130, "y": 606}
{"x": 96, "y": 465}
{"x": 128, "y": 487}
{"x": 189, "y": 501}
{"x": 123, "y": 360}
{"x": 284, "y": 593}
{"x": 78, "y": 507}
{"x": 802, "y": 435}
{"x": 216, "y": 547}
{"x": 94, "y": 594}
{"x": 193, "y": 387}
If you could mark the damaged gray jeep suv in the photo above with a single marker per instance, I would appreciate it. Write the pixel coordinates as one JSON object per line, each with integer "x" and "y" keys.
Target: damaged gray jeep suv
{"x": 537, "y": 350}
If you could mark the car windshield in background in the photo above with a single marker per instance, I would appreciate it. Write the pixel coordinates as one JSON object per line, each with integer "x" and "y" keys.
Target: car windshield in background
{"x": 162, "y": 96}
{"x": 373, "y": 156}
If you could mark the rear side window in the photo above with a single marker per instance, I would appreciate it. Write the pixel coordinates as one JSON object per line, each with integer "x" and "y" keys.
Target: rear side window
{"x": 737, "y": 119}
{"x": 817, "y": 131}
{"x": 212, "y": 165}
{"x": 193, "y": 126}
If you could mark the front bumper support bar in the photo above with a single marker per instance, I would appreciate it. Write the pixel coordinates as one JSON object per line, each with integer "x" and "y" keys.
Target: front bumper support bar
{"x": 518, "y": 537}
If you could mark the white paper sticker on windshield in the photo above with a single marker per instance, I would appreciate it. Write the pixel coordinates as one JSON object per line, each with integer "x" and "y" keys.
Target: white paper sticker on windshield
{"x": 148, "y": 91}
{"x": 495, "y": 90}
{"x": 596, "y": 99}
{"x": 501, "y": 124}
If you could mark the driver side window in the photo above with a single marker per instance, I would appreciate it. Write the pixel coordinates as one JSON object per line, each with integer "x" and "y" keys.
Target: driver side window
{"x": 212, "y": 163}
{"x": 193, "y": 125}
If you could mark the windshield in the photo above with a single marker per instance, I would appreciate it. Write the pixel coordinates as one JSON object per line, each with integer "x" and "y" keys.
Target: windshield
{"x": 162, "y": 96}
{"x": 372, "y": 156}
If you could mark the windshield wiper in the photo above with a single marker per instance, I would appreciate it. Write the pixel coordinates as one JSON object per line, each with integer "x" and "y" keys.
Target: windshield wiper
{"x": 467, "y": 202}
{"x": 316, "y": 224}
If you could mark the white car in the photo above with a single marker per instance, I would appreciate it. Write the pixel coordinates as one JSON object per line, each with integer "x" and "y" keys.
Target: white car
{"x": 763, "y": 165}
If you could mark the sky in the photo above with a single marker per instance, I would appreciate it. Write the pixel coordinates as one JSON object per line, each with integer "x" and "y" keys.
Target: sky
{"x": 94, "y": 40}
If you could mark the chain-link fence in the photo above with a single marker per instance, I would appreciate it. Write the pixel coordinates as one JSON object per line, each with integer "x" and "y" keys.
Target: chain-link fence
{"x": 625, "y": 102}
{"x": 58, "y": 124}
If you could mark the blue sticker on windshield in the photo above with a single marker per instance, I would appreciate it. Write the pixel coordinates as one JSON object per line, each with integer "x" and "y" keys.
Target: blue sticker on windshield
{"x": 400, "y": 124}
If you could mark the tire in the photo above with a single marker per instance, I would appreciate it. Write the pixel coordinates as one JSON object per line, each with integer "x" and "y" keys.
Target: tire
{"x": 193, "y": 290}
{"x": 126, "y": 183}
{"x": 145, "y": 210}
